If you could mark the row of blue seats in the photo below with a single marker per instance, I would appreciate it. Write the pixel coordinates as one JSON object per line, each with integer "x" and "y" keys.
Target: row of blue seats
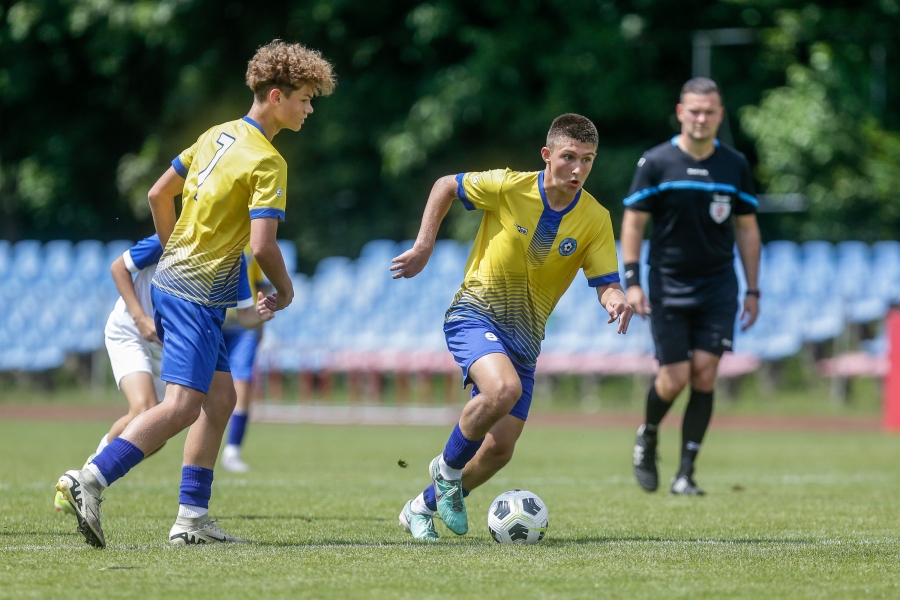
{"x": 87, "y": 261}
{"x": 355, "y": 304}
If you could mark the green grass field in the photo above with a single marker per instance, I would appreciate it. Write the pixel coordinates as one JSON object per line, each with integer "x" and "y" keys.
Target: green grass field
{"x": 788, "y": 515}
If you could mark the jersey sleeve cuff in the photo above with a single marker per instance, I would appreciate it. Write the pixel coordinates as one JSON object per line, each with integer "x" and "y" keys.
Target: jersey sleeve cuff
{"x": 461, "y": 192}
{"x": 604, "y": 279}
{"x": 129, "y": 262}
{"x": 179, "y": 167}
{"x": 749, "y": 199}
{"x": 245, "y": 303}
{"x": 267, "y": 213}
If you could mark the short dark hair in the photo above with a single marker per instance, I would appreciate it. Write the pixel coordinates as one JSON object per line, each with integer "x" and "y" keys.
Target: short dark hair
{"x": 701, "y": 86}
{"x": 573, "y": 127}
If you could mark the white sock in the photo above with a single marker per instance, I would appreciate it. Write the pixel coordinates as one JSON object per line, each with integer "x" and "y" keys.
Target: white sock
{"x": 418, "y": 506}
{"x": 190, "y": 511}
{"x": 448, "y": 472}
{"x": 92, "y": 468}
{"x": 103, "y": 444}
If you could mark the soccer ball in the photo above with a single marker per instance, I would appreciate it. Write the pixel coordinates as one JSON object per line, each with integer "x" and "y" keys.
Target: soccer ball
{"x": 518, "y": 517}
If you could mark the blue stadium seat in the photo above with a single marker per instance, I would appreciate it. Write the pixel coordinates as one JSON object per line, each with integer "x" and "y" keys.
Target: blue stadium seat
{"x": 90, "y": 261}
{"x": 289, "y": 253}
{"x": 885, "y": 280}
{"x": 28, "y": 261}
{"x": 379, "y": 251}
{"x": 855, "y": 282}
{"x": 5, "y": 258}
{"x": 59, "y": 260}
{"x": 115, "y": 249}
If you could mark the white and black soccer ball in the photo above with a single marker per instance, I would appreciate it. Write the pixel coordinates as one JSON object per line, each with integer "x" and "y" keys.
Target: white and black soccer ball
{"x": 518, "y": 517}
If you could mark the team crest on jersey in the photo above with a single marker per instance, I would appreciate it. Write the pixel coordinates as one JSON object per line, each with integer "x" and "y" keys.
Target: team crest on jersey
{"x": 567, "y": 246}
{"x": 720, "y": 208}
{"x": 521, "y": 229}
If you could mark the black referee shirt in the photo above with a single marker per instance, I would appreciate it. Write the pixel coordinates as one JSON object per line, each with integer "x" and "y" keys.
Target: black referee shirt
{"x": 692, "y": 202}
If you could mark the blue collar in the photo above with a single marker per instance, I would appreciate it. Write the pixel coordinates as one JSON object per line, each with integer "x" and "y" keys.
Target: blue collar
{"x": 255, "y": 124}
{"x": 562, "y": 212}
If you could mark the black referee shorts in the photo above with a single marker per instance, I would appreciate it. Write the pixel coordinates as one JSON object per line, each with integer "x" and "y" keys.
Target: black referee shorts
{"x": 692, "y": 313}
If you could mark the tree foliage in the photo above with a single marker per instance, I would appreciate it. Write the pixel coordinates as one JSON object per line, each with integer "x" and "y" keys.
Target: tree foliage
{"x": 822, "y": 134}
{"x": 96, "y": 96}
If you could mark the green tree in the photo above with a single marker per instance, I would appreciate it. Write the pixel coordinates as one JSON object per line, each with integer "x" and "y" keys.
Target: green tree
{"x": 96, "y": 96}
{"x": 823, "y": 133}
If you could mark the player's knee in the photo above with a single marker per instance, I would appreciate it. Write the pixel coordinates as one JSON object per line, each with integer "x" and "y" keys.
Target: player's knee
{"x": 703, "y": 376}
{"x": 669, "y": 385}
{"x": 187, "y": 415}
{"x": 145, "y": 403}
{"x": 497, "y": 452}
{"x": 507, "y": 393}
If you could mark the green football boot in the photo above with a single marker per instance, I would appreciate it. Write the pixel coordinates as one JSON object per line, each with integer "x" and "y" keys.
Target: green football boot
{"x": 420, "y": 527}
{"x": 451, "y": 506}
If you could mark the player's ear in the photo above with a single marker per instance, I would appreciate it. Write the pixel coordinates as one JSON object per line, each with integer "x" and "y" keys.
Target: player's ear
{"x": 545, "y": 154}
{"x": 275, "y": 95}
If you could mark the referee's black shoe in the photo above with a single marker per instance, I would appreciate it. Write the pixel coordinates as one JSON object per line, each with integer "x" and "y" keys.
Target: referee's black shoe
{"x": 684, "y": 485}
{"x": 645, "y": 460}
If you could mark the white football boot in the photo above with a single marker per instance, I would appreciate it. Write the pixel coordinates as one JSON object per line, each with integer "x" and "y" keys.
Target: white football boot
{"x": 200, "y": 530}
{"x": 231, "y": 460}
{"x": 78, "y": 490}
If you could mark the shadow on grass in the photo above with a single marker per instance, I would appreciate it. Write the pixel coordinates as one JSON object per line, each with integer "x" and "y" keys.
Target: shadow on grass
{"x": 304, "y": 518}
{"x": 614, "y": 540}
{"x": 18, "y": 532}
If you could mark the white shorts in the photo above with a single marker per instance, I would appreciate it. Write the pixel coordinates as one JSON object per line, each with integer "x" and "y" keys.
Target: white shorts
{"x": 130, "y": 353}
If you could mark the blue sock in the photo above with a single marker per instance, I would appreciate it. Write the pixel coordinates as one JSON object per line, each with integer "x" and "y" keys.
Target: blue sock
{"x": 237, "y": 429}
{"x": 196, "y": 486}
{"x": 430, "y": 501}
{"x": 117, "y": 459}
{"x": 460, "y": 450}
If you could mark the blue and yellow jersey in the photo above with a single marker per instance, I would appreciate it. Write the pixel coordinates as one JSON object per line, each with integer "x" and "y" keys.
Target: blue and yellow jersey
{"x": 232, "y": 174}
{"x": 526, "y": 255}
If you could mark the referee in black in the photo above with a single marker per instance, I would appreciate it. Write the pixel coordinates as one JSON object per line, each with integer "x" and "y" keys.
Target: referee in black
{"x": 692, "y": 186}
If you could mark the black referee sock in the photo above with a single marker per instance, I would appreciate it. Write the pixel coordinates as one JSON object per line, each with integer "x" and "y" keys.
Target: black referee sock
{"x": 656, "y": 410}
{"x": 693, "y": 428}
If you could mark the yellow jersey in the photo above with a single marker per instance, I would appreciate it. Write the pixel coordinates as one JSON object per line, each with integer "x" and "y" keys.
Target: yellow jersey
{"x": 526, "y": 255}
{"x": 232, "y": 174}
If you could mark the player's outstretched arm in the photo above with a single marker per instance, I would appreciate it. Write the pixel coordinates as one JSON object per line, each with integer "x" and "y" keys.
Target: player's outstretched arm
{"x": 748, "y": 243}
{"x": 162, "y": 203}
{"x": 411, "y": 262}
{"x": 254, "y": 316}
{"x": 125, "y": 284}
{"x": 268, "y": 255}
{"x": 633, "y": 224}
{"x": 613, "y": 300}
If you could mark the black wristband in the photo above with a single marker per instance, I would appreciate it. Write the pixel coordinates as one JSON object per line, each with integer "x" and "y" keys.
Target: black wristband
{"x": 753, "y": 293}
{"x": 632, "y": 274}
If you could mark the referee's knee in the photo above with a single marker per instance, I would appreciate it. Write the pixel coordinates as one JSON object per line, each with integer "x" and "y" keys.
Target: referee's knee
{"x": 704, "y": 379}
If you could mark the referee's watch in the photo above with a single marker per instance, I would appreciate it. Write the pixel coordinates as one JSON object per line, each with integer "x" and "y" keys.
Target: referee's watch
{"x": 753, "y": 293}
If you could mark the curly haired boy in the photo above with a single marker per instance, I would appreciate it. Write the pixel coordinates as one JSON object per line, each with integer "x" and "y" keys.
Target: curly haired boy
{"x": 233, "y": 184}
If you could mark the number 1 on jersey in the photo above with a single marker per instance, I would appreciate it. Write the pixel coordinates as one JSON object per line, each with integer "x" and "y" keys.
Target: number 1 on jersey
{"x": 225, "y": 142}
